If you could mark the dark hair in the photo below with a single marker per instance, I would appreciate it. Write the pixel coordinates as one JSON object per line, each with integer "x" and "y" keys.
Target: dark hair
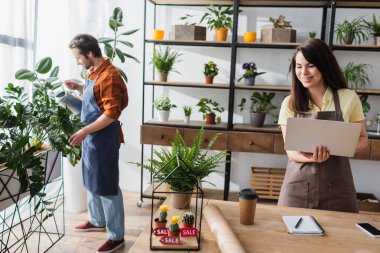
{"x": 318, "y": 53}
{"x": 86, "y": 43}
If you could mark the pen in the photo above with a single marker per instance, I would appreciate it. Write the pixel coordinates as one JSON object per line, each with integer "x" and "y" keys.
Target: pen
{"x": 298, "y": 223}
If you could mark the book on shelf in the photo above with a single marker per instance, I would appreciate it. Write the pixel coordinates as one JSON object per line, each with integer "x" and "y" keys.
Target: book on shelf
{"x": 302, "y": 225}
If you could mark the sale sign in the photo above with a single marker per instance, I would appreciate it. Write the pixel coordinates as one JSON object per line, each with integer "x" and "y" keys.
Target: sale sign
{"x": 160, "y": 231}
{"x": 170, "y": 240}
{"x": 189, "y": 232}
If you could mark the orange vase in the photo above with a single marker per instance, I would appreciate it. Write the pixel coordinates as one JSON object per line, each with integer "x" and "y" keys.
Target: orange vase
{"x": 209, "y": 79}
{"x": 221, "y": 34}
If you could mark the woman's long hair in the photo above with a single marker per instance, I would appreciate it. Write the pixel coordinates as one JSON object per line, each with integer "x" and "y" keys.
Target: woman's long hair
{"x": 318, "y": 53}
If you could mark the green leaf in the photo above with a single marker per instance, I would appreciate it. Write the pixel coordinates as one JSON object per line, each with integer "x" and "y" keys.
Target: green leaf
{"x": 120, "y": 55}
{"x": 117, "y": 14}
{"x": 105, "y": 40}
{"x": 123, "y": 75}
{"x": 51, "y": 79}
{"x": 54, "y": 72}
{"x": 108, "y": 50}
{"x": 114, "y": 24}
{"x": 21, "y": 143}
{"x": 44, "y": 65}
{"x": 129, "y": 32}
{"x": 24, "y": 74}
{"x": 131, "y": 57}
{"x": 128, "y": 44}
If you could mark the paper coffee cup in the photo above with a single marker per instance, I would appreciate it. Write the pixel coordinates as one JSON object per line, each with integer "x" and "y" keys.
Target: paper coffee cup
{"x": 247, "y": 202}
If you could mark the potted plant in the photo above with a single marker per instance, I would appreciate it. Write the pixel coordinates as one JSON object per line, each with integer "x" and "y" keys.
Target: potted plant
{"x": 188, "y": 220}
{"x": 356, "y": 74}
{"x": 199, "y": 164}
{"x": 187, "y": 110}
{"x": 161, "y": 221}
{"x": 250, "y": 73}
{"x": 112, "y": 45}
{"x": 210, "y": 71}
{"x": 374, "y": 28}
{"x": 163, "y": 61}
{"x": 281, "y": 32}
{"x": 312, "y": 35}
{"x": 261, "y": 104}
{"x": 163, "y": 106}
{"x": 208, "y": 107}
{"x": 188, "y": 31}
{"x": 348, "y": 32}
{"x": 174, "y": 227}
{"x": 219, "y": 18}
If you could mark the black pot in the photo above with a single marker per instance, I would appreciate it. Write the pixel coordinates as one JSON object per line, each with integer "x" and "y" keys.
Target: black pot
{"x": 257, "y": 119}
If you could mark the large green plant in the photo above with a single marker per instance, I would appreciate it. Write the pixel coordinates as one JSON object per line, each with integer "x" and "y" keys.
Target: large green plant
{"x": 39, "y": 118}
{"x": 259, "y": 102}
{"x": 356, "y": 74}
{"x": 354, "y": 31}
{"x": 163, "y": 61}
{"x": 374, "y": 26}
{"x": 111, "y": 45}
{"x": 218, "y": 17}
{"x": 199, "y": 163}
{"x": 163, "y": 104}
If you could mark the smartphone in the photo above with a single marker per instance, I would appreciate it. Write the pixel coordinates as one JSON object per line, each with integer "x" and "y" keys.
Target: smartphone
{"x": 369, "y": 229}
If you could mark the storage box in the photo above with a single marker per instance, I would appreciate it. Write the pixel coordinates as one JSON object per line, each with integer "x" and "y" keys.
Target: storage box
{"x": 267, "y": 182}
{"x": 368, "y": 202}
{"x": 187, "y": 32}
{"x": 276, "y": 35}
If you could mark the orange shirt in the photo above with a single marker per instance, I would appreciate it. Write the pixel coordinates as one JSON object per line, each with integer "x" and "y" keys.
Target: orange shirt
{"x": 110, "y": 91}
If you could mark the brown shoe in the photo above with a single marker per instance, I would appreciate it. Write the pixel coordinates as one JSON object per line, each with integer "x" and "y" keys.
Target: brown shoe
{"x": 86, "y": 227}
{"x": 111, "y": 246}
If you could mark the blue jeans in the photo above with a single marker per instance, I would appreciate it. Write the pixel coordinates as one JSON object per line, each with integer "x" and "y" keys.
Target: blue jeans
{"x": 107, "y": 211}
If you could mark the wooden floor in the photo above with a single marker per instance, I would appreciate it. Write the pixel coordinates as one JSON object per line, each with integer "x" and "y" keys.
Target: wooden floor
{"x": 136, "y": 219}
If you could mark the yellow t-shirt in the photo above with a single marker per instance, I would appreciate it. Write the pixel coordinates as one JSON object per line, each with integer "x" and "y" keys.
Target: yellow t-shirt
{"x": 349, "y": 104}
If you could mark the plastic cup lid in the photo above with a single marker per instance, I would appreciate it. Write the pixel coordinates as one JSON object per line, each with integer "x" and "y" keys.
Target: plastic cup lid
{"x": 248, "y": 194}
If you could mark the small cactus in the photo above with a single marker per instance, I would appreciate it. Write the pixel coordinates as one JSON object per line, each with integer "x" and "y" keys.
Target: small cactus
{"x": 174, "y": 227}
{"x": 188, "y": 218}
{"x": 163, "y": 213}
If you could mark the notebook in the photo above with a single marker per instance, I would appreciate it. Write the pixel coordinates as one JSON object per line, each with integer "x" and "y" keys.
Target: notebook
{"x": 339, "y": 137}
{"x": 307, "y": 225}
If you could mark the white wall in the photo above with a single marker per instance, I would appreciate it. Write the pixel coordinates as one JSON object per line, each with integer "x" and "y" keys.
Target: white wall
{"x": 274, "y": 61}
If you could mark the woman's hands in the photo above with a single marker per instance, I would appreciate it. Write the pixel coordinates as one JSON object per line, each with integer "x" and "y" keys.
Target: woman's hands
{"x": 319, "y": 155}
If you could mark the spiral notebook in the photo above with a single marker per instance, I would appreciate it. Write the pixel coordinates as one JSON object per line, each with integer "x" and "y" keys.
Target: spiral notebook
{"x": 302, "y": 225}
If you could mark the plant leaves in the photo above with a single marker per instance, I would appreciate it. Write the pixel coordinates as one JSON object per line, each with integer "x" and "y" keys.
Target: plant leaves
{"x": 44, "y": 65}
{"x": 54, "y": 72}
{"x": 105, "y": 40}
{"x": 123, "y": 75}
{"x": 24, "y": 74}
{"x": 128, "y": 44}
{"x": 132, "y": 57}
{"x": 129, "y": 32}
{"x": 120, "y": 55}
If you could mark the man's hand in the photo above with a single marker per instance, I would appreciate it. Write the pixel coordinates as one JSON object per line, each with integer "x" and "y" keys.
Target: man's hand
{"x": 319, "y": 155}
{"x": 78, "y": 137}
{"x": 73, "y": 85}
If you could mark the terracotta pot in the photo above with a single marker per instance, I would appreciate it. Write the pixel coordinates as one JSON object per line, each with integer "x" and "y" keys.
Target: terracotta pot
{"x": 221, "y": 34}
{"x": 180, "y": 200}
{"x": 173, "y": 233}
{"x": 209, "y": 79}
{"x": 163, "y": 77}
{"x": 158, "y": 224}
{"x": 257, "y": 119}
{"x": 210, "y": 119}
{"x": 187, "y": 225}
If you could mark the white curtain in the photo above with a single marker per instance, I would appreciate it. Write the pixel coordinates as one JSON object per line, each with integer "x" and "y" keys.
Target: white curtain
{"x": 17, "y": 38}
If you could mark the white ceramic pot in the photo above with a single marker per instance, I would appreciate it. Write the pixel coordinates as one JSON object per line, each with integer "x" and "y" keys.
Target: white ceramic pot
{"x": 186, "y": 120}
{"x": 163, "y": 116}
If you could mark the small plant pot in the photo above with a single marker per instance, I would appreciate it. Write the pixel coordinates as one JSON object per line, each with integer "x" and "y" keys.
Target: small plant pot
{"x": 173, "y": 233}
{"x": 163, "y": 77}
{"x": 221, "y": 34}
{"x": 163, "y": 116}
{"x": 187, "y": 225}
{"x": 347, "y": 39}
{"x": 257, "y": 119}
{"x": 180, "y": 200}
{"x": 249, "y": 80}
{"x": 377, "y": 41}
{"x": 209, "y": 79}
{"x": 210, "y": 119}
{"x": 186, "y": 120}
{"x": 158, "y": 224}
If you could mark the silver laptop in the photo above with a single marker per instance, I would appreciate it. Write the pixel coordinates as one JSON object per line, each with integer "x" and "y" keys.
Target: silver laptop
{"x": 341, "y": 138}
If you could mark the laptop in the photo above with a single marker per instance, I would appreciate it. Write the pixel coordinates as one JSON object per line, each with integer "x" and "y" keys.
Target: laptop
{"x": 341, "y": 138}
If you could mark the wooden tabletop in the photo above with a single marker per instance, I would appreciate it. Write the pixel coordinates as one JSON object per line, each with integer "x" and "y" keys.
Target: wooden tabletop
{"x": 268, "y": 234}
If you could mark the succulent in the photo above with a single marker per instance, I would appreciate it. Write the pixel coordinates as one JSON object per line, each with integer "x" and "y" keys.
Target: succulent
{"x": 174, "y": 227}
{"x": 188, "y": 218}
{"x": 163, "y": 213}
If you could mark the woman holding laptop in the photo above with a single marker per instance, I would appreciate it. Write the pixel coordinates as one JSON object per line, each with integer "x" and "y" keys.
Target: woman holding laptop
{"x": 319, "y": 90}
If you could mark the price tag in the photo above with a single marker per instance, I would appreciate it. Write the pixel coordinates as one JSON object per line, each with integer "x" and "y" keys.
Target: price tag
{"x": 189, "y": 232}
{"x": 160, "y": 231}
{"x": 170, "y": 240}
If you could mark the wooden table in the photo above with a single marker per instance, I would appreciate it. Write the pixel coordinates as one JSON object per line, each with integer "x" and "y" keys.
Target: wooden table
{"x": 268, "y": 234}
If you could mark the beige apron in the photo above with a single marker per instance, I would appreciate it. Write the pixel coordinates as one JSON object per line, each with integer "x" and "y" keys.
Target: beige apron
{"x": 328, "y": 185}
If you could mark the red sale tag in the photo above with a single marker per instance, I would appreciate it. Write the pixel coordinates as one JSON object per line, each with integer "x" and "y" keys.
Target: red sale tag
{"x": 189, "y": 232}
{"x": 160, "y": 231}
{"x": 170, "y": 240}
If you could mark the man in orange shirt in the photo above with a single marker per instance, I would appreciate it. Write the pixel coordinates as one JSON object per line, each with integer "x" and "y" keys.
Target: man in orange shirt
{"x": 104, "y": 97}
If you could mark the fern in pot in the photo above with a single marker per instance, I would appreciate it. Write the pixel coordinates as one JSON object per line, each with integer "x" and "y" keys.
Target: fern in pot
{"x": 164, "y": 61}
{"x": 374, "y": 28}
{"x": 261, "y": 104}
{"x": 348, "y": 32}
{"x": 187, "y": 111}
{"x": 356, "y": 74}
{"x": 163, "y": 106}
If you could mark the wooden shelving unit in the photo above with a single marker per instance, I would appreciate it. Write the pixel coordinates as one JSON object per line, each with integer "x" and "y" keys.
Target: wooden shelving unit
{"x": 193, "y": 124}
{"x": 189, "y": 84}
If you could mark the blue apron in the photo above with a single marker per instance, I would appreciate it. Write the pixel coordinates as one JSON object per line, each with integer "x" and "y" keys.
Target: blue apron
{"x": 100, "y": 150}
